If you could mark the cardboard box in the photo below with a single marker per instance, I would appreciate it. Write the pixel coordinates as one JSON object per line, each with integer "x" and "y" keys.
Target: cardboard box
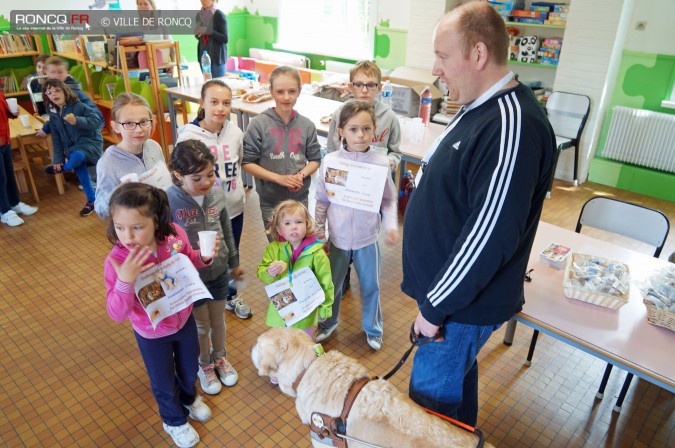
{"x": 408, "y": 85}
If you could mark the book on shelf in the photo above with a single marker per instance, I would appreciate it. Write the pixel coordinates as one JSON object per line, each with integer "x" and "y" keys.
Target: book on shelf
{"x": 7, "y": 83}
{"x": 64, "y": 43}
{"x": 15, "y": 43}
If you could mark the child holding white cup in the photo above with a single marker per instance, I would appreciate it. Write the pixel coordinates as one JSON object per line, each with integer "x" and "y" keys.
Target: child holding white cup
{"x": 198, "y": 209}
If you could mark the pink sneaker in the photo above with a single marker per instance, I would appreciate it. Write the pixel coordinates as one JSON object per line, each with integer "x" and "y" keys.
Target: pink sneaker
{"x": 228, "y": 375}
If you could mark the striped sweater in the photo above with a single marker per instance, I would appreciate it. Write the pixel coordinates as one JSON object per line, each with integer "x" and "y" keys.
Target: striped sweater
{"x": 470, "y": 224}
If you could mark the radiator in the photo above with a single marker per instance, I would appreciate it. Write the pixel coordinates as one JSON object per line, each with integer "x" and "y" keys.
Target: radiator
{"x": 642, "y": 137}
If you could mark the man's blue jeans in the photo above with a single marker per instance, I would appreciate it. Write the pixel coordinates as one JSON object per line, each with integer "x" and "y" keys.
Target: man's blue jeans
{"x": 444, "y": 376}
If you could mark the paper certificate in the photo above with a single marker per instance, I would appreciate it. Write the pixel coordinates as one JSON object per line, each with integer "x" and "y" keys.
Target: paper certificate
{"x": 158, "y": 176}
{"x": 169, "y": 287}
{"x": 297, "y": 301}
{"x": 355, "y": 184}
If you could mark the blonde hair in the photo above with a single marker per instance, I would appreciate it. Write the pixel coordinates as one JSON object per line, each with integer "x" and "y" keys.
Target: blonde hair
{"x": 285, "y": 70}
{"x": 128, "y": 99}
{"x": 368, "y": 68}
{"x": 152, "y": 3}
{"x": 56, "y": 60}
{"x": 289, "y": 207}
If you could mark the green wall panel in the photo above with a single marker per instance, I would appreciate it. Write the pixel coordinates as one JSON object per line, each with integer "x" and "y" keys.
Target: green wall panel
{"x": 390, "y": 47}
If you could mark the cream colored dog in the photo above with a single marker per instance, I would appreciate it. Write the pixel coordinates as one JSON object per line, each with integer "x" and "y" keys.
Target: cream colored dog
{"x": 380, "y": 415}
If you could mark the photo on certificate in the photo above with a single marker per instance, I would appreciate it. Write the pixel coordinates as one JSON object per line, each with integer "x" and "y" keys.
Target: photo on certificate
{"x": 355, "y": 184}
{"x": 297, "y": 297}
{"x": 169, "y": 287}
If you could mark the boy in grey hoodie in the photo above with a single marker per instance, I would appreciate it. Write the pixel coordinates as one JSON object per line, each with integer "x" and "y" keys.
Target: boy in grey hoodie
{"x": 365, "y": 78}
{"x": 280, "y": 146}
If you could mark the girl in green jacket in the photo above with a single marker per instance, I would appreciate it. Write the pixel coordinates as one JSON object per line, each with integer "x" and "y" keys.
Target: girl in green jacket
{"x": 295, "y": 246}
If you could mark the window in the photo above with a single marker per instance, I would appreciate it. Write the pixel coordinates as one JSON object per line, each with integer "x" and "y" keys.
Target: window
{"x": 341, "y": 28}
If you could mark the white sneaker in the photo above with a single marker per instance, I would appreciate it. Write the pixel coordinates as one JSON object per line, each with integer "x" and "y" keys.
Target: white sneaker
{"x": 208, "y": 379}
{"x": 184, "y": 436}
{"x": 199, "y": 410}
{"x": 11, "y": 219}
{"x": 324, "y": 333}
{"x": 25, "y": 209}
{"x": 228, "y": 375}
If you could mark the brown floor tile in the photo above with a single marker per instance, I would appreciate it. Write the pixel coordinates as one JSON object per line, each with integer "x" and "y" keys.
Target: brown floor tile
{"x": 71, "y": 376}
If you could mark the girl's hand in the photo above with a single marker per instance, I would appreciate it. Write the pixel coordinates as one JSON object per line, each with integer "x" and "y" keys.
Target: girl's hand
{"x": 291, "y": 181}
{"x": 57, "y": 167}
{"x": 237, "y": 273}
{"x": 134, "y": 264}
{"x": 70, "y": 118}
{"x": 276, "y": 268}
{"x": 392, "y": 237}
{"x": 41, "y": 133}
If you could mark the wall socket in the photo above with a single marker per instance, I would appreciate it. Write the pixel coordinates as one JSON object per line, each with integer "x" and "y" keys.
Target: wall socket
{"x": 640, "y": 26}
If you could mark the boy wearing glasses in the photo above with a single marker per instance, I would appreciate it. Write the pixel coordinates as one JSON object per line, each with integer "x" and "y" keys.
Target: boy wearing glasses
{"x": 365, "y": 83}
{"x": 137, "y": 153}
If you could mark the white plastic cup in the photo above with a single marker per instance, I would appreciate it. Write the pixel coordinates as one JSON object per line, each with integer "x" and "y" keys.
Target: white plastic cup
{"x": 131, "y": 177}
{"x": 207, "y": 242}
{"x": 13, "y": 105}
{"x": 25, "y": 121}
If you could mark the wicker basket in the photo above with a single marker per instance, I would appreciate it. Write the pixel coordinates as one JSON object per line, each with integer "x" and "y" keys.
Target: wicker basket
{"x": 573, "y": 291}
{"x": 662, "y": 318}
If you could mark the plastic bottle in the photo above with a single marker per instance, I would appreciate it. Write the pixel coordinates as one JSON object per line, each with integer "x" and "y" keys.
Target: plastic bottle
{"x": 407, "y": 187}
{"x": 425, "y": 106}
{"x": 206, "y": 65}
{"x": 387, "y": 91}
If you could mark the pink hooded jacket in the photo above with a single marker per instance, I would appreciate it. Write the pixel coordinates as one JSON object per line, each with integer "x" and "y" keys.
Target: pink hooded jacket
{"x": 122, "y": 301}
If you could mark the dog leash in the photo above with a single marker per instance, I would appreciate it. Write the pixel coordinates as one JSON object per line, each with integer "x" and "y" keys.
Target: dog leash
{"x": 415, "y": 341}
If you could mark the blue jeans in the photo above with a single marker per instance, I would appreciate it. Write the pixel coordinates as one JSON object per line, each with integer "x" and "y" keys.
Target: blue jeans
{"x": 444, "y": 376}
{"x": 217, "y": 70}
{"x": 237, "y": 227}
{"x": 172, "y": 363}
{"x": 9, "y": 193}
{"x": 368, "y": 264}
{"x": 77, "y": 162}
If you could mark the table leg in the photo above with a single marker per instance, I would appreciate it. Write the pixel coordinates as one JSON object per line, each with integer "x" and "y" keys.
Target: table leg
{"x": 172, "y": 117}
{"x": 510, "y": 332}
{"x": 26, "y": 163}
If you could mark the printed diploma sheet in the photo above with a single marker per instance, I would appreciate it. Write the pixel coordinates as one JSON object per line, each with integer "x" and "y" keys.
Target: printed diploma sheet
{"x": 169, "y": 287}
{"x": 355, "y": 184}
{"x": 298, "y": 299}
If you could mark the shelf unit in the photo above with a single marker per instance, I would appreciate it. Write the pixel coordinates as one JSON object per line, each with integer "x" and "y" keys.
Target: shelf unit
{"x": 150, "y": 48}
{"x": 548, "y": 76}
{"x": 538, "y": 25}
{"x": 39, "y": 49}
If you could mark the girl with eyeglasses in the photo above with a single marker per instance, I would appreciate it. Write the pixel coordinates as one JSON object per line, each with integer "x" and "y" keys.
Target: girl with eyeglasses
{"x": 132, "y": 119}
{"x": 75, "y": 134}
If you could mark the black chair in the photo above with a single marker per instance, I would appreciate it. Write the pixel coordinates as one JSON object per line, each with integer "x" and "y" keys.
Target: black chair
{"x": 567, "y": 113}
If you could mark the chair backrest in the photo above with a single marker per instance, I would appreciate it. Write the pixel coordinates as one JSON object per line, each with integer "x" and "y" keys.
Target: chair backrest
{"x": 634, "y": 221}
{"x": 35, "y": 97}
{"x": 568, "y": 113}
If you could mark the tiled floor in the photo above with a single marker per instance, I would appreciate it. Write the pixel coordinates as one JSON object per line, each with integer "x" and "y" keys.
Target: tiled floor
{"x": 71, "y": 376}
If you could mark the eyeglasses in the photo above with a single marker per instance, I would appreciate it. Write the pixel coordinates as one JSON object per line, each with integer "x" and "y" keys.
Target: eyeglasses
{"x": 369, "y": 85}
{"x": 53, "y": 90}
{"x": 131, "y": 125}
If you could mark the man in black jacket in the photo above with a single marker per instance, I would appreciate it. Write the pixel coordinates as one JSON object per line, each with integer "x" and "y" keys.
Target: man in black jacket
{"x": 470, "y": 224}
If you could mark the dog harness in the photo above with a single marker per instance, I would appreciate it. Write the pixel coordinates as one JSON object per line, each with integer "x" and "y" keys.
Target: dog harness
{"x": 323, "y": 426}
{"x": 335, "y": 428}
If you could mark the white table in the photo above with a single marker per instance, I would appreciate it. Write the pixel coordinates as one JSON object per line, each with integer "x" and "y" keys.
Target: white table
{"x": 621, "y": 337}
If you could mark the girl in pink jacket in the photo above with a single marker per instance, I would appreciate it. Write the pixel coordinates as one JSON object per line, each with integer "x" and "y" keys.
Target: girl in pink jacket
{"x": 143, "y": 235}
